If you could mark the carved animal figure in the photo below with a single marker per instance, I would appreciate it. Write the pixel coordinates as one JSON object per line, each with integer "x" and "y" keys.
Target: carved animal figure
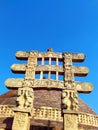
{"x": 66, "y": 102}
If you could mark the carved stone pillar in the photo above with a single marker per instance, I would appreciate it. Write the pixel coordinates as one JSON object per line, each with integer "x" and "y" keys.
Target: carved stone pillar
{"x": 70, "y": 121}
{"x": 69, "y": 96}
{"x": 25, "y": 96}
{"x": 32, "y": 63}
{"x": 70, "y": 109}
{"x": 24, "y": 107}
{"x": 21, "y": 121}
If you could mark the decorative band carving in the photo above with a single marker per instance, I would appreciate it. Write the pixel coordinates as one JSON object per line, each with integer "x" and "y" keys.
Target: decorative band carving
{"x": 13, "y": 83}
{"x": 48, "y": 113}
{"x": 6, "y": 111}
{"x": 88, "y": 119}
{"x": 76, "y": 57}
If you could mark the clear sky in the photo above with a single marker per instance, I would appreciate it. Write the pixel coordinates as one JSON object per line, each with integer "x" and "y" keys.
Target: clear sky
{"x": 64, "y": 25}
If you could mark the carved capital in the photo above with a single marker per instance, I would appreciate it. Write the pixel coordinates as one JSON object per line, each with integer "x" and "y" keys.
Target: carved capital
{"x": 25, "y": 99}
{"x": 69, "y": 100}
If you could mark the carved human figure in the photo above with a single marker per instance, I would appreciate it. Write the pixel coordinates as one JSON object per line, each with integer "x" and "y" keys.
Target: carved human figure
{"x": 68, "y": 85}
{"x": 67, "y": 59}
{"x": 69, "y": 75}
{"x": 25, "y": 98}
{"x": 74, "y": 97}
{"x": 20, "y": 99}
{"x": 29, "y": 97}
{"x": 26, "y": 83}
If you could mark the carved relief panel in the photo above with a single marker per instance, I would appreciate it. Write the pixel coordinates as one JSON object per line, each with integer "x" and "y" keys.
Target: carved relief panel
{"x": 69, "y": 100}
{"x": 21, "y": 121}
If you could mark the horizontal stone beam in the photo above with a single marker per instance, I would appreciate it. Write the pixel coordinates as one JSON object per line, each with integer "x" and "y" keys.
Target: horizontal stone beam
{"x": 80, "y": 70}
{"x": 84, "y": 87}
{"x": 18, "y": 68}
{"x": 14, "y": 83}
{"x": 76, "y": 57}
{"x": 50, "y": 68}
{"x": 77, "y": 70}
{"x": 22, "y": 55}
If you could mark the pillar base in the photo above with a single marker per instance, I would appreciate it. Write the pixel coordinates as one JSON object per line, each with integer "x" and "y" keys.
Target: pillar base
{"x": 70, "y": 121}
{"x": 21, "y": 121}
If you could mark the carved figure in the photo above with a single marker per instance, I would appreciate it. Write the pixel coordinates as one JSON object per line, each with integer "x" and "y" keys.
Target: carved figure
{"x": 67, "y": 59}
{"x": 26, "y": 83}
{"x": 50, "y": 50}
{"x": 29, "y": 97}
{"x": 25, "y": 98}
{"x": 33, "y": 53}
{"x": 68, "y": 85}
{"x": 74, "y": 101}
{"x": 20, "y": 99}
{"x": 69, "y": 100}
{"x": 66, "y": 102}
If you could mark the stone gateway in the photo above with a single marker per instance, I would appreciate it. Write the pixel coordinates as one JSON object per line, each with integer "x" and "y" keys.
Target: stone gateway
{"x": 47, "y": 97}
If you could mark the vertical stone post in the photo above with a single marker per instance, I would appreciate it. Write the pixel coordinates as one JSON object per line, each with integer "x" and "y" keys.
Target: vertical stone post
{"x": 21, "y": 121}
{"x": 25, "y": 97}
{"x": 24, "y": 107}
{"x": 70, "y": 121}
{"x": 69, "y": 96}
{"x": 70, "y": 107}
{"x": 31, "y": 65}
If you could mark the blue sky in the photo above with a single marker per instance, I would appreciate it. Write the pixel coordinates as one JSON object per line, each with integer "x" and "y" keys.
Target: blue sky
{"x": 65, "y": 26}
